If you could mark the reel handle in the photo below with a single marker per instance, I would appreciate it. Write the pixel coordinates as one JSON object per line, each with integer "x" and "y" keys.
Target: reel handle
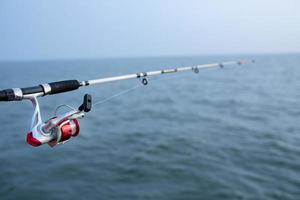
{"x": 86, "y": 106}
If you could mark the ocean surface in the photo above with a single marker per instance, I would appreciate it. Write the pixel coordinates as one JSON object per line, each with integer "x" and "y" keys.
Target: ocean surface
{"x": 231, "y": 133}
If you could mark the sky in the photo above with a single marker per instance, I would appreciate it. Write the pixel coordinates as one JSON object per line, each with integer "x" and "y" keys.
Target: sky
{"x": 73, "y": 29}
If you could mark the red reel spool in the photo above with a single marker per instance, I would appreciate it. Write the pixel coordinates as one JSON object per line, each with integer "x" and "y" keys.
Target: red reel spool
{"x": 69, "y": 129}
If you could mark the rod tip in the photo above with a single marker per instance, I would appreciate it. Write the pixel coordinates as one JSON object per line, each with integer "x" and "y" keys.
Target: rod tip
{"x": 243, "y": 62}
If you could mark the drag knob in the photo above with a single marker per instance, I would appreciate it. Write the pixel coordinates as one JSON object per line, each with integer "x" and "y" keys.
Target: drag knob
{"x": 32, "y": 141}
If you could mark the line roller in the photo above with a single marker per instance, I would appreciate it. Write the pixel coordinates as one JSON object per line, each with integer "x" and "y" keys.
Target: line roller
{"x": 61, "y": 127}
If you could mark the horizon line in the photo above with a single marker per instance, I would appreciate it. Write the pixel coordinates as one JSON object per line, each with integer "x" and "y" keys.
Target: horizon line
{"x": 142, "y": 57}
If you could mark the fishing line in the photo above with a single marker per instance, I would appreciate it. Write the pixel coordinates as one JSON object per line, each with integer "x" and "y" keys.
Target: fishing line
{"x": 127, "y": 91}
{"x": 117, "y": 95}
{"x": 107, "y": 99}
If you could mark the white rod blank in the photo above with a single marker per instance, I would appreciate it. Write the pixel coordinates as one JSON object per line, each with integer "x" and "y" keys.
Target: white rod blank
{"x": 195, "y": 68}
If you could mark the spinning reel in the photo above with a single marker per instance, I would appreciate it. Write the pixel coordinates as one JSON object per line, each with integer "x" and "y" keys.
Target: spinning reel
{"x": 60, "y": 128}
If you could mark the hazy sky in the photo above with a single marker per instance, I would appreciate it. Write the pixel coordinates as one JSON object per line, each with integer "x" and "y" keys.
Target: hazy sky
{"x": 54, "y": 29}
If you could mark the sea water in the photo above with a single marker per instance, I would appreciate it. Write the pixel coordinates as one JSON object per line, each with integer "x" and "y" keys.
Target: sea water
{"x": 229, "y": 133}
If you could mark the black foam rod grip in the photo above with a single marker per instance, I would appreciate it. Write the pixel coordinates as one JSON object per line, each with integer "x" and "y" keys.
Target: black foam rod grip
{"x": 7, "y": 95}
{"x": 64, "y": 86}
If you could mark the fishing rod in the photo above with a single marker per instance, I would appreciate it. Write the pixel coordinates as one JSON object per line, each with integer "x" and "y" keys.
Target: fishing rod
{"x": 60, "y": 128}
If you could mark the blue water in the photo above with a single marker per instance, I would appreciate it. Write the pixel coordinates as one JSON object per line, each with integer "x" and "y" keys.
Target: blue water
{"x": 221, "y": 134}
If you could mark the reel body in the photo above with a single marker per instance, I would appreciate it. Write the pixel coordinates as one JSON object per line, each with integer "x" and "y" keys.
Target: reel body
{"x": 58, "y": 129}
{"x": 58, "y": 134}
